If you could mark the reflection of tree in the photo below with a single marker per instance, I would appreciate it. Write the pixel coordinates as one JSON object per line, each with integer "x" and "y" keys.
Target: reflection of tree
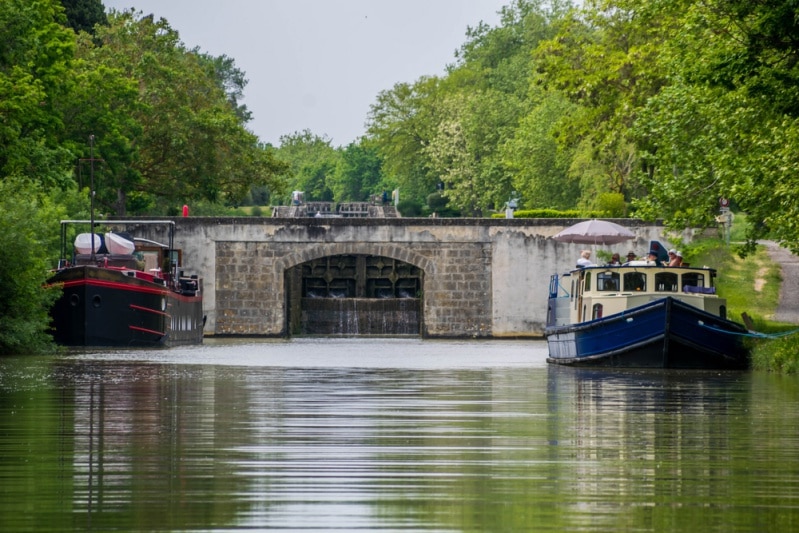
{"x": 145, "y": 440}
{"x": 35, "y": 471}
{"x": 648, "y": 443}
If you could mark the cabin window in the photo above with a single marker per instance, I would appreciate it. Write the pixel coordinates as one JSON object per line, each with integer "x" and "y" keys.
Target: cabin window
{"x": 596, "y": 312}
{"x": 634, "y": 281}
{"x": 607, "y": 281}
{"x": 587, "y": 281}
{"x": 695, "y": 279}
{"x": 666, "y": 282}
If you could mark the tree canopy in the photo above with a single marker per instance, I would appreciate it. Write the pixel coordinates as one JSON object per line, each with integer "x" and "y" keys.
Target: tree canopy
{"x": 167, "y": 122}
{"x": 669, "y": 105}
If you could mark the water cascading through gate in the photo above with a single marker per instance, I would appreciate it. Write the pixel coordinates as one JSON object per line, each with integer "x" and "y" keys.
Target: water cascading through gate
{"x": 354, "y": 295}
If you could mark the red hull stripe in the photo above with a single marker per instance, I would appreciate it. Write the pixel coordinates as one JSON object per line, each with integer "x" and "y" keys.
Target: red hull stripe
{"x": 145, "y": 330}
{"x": 147, "y": 309}
{"x": 115, "y": 285}
{"x": 133, "y": 288}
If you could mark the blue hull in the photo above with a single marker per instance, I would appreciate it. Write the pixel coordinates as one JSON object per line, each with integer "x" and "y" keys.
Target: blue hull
{"x": 666, "y": 333}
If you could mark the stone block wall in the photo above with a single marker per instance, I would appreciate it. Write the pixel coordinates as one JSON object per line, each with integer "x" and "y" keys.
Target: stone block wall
{"x": 250, "y": 286}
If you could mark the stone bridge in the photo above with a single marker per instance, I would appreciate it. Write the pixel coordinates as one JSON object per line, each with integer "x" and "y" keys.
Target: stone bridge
{"x": 454, "y": 277}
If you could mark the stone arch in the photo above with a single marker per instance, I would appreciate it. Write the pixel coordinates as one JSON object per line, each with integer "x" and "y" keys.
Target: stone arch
{"x": 382, "y": 249}
{"x": 342, "y": 298}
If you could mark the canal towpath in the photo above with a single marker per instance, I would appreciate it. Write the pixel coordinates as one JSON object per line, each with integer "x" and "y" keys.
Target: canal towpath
{"x": 788, "y": 307}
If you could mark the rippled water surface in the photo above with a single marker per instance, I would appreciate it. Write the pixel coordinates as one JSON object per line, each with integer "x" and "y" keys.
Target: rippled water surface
{"x": 389, "y": 434}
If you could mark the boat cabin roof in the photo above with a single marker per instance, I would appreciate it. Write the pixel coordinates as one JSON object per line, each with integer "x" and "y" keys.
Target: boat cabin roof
{"x": 640, "y": 277}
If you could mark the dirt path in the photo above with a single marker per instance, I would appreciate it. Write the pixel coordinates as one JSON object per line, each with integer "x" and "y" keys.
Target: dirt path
{"x": 788, "y": 308}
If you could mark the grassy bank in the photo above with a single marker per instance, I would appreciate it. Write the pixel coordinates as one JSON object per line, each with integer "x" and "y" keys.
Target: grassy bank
{"x": 751, "y": 286}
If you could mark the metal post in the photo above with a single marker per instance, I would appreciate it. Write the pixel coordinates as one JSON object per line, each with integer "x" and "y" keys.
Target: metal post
{"x": 91, "y": 194}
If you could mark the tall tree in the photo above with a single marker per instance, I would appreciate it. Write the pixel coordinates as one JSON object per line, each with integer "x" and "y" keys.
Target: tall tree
{"x": 728, "y": 125}
{"x": 187, "y": 138}
{"x": 357, "y": 174}
{"x": 312, "y": 162}
{"x": 28, "y": 237}
{"x": 400, "y": 124}
{"x": 83, "y": 15}
{"x": 605, "y": 59}
{"x": 35, "y": 62}
{"x": 544, "y": 171}
{"x": 451, "y": 129}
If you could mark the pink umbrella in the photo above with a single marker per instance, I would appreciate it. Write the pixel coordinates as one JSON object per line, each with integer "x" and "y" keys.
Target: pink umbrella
{"x": 594, "y": 232}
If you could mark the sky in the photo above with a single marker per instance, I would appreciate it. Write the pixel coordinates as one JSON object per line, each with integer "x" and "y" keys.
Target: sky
{"x": 320, "y": 64}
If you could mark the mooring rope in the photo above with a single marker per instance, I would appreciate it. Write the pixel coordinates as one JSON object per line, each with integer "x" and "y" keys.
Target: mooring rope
{"x": 752, "y": 334}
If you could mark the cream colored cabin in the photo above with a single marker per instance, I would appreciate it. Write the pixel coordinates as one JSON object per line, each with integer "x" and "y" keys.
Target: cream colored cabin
{"x": 600, "y": 291}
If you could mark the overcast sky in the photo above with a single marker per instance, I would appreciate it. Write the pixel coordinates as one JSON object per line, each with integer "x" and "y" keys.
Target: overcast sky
{"x": 319, "y": 64}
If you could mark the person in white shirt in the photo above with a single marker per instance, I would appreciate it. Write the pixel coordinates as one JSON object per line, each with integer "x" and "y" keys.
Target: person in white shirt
{"x": 585, "y": 259}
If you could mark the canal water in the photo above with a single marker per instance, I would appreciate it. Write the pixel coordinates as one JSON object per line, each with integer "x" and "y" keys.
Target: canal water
{"x": 389, "y": 435}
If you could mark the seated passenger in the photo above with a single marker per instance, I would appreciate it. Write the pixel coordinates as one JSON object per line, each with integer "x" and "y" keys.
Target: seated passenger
{"x": 585, "y": 259}
{"x": 674, "y": 261}
{"x": 615, "y": 260}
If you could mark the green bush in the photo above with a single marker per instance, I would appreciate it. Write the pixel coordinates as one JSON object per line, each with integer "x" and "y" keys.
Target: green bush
{"x": 612, "y": 204}
{"x": 409, "y": 208}
{"x": 437, "y": 201}
{"x": 28, "y": 237}
{"x": 553, "y": 213}
{"x": 779, "y": 355}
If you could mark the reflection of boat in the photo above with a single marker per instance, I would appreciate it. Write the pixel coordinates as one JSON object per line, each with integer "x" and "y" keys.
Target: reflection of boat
{"x": 642, "y": 315}
{"x": 124, "y": 291}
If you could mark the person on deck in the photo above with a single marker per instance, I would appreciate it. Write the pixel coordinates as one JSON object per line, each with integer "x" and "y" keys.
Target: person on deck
{"x": 674, "y": 261}
{"x": 615, "y": 260}
{"x": 585, "y": 259}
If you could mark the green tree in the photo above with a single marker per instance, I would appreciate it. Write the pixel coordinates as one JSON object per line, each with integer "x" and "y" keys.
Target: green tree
{"x": 312, "y": 162}
{"x": 400, "y": 124}
{"x": 539, "y": 164}
{"x": 727, "y": 124}
{"x": 357, "y": 174}
{"x": 451, "y": 129}
{"x": 231, "y": 79}
{"x": 606, "y": 60}
{"x": 28, "y": 237}
{"x": 452, "y": 152}
{"x": 83, "y": 15}
{"x": 186, "y": 138}
{"x": 35, "y": 74}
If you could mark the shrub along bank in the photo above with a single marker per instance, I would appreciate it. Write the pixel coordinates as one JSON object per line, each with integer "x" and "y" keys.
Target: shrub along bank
{"x": 752, "y": 286}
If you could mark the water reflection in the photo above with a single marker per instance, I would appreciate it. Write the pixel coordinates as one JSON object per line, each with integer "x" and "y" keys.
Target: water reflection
{"x": 389, "y": 434}
{"x": 668, "y": 449}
